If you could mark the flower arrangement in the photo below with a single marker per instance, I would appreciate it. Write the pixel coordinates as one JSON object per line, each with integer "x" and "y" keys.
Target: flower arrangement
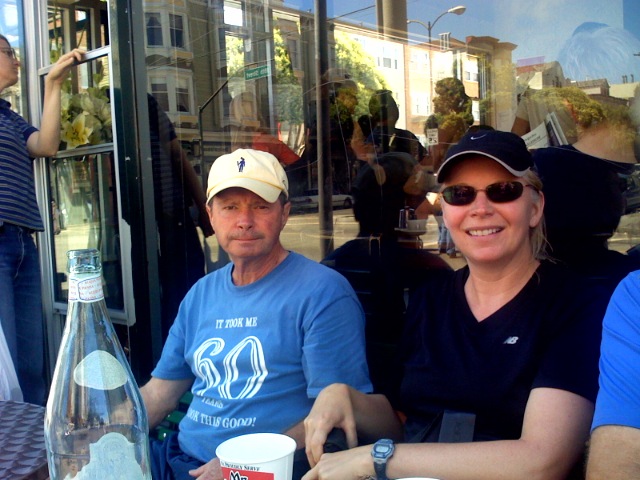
{"x": 86, "y": 116}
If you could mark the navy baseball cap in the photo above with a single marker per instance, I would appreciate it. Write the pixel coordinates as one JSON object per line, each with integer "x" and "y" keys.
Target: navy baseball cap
{"x": 506, "y": 148}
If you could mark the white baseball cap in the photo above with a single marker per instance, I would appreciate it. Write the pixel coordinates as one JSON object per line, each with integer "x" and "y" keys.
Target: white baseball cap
{"x": 257, "y": 171}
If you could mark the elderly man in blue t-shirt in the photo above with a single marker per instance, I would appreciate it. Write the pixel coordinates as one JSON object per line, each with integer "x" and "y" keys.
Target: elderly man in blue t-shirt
{"x": 257, "y": 340}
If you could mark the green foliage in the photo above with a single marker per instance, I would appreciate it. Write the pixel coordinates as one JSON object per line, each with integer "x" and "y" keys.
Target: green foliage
{"x": 452, "y": 107}
{"x": 583, "y": 108}
{"x": 235, "y": 55}
{"x": 351, "y": 57}
{"x": 289, "y": 103}
{"x": 289, "y": 91}
{"x": 284, "y": 68}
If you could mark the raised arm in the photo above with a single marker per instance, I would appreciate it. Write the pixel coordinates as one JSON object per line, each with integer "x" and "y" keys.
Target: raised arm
{"x": 45, "y": 142}
{"x": 556, "y": 426}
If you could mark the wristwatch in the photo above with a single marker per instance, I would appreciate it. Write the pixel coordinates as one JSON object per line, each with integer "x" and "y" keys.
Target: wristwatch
{"x": 381, "y": 452}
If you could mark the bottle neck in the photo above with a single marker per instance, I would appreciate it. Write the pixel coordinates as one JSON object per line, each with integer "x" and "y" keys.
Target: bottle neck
{"x": 85, "y": 288}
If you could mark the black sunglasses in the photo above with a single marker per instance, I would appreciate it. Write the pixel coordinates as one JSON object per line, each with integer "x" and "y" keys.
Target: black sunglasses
{"x": 500, "y": 192}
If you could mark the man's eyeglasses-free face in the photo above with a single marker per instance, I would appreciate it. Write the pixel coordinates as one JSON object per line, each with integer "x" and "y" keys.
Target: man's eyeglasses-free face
{"x": 9, "y": 52}
{"x": 500, "y": 192}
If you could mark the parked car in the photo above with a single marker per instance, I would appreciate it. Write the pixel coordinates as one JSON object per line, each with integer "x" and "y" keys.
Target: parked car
{"x": 632, "y": 192}
{"x": 310, "y": 199}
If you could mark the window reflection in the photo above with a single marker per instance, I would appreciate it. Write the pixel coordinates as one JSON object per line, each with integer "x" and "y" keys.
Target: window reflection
{"x": 84, "y": 214}
{"x": 79, "y": 24}
{"x": 255, "y": 76}
{"x": 83, "y": 195}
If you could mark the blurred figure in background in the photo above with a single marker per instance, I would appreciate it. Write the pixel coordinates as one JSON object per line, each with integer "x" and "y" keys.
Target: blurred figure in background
{"x": 584, "y": 187}
{"x": 177, "y": 189}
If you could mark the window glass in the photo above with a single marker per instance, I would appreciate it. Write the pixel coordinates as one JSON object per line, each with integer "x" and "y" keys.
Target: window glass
{"x": 83, "y": 196}
{"x": 84, "y": 215}
{"x": 182, "y": 95}
{"x": 563, "y": 77}
{"x": 177, "y": 31}
{"x": 160, "y": 91}
{"x": 154, "y": 30}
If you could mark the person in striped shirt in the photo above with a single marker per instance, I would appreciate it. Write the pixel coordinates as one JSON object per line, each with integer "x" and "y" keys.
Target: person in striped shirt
{"x": 20, "y": 143}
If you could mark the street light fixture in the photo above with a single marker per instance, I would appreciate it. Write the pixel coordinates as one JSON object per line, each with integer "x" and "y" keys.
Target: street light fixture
{"x": 459, "y": 10}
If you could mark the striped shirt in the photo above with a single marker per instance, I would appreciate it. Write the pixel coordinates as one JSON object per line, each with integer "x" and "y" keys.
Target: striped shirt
{"x": 18, "y": 203}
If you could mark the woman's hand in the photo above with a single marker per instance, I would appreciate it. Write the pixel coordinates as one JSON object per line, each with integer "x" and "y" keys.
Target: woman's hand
{"x": 59, "y": 70}
{"x": 332, "y": 409}
{"x": 209, "y": 471}
{"x": 354, "y": 464}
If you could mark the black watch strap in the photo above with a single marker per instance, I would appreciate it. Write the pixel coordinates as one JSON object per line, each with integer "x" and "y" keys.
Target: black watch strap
{"x": 381, "y": 452}
{"x": 381, "y": 471}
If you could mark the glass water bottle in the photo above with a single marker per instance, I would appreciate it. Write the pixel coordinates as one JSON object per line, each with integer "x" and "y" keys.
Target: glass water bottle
{"x": 95, "y": 424}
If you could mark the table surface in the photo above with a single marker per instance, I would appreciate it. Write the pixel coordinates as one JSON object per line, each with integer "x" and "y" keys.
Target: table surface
{"x": 22, "y": 450}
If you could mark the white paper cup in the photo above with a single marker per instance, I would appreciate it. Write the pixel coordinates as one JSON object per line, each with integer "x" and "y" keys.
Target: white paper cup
{"x": 417, "y": 225}
{"x": 257, "y": 456}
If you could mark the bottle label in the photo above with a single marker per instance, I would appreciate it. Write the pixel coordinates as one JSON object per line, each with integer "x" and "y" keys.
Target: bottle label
{"x": 87, "y": 289}
{"x": 100, "y": 370}
{"x": 113, "y": 456}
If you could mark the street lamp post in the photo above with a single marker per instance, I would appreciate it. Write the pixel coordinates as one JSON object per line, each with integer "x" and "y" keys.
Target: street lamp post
{"x": 459, "y": 10}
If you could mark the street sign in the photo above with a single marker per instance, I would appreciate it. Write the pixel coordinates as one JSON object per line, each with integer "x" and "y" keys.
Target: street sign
{"x": 258, "y": 72}
{"x": 432, "y": 136}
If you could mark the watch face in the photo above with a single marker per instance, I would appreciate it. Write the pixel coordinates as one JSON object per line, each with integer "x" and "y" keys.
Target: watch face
{"x": 383, "y": 448}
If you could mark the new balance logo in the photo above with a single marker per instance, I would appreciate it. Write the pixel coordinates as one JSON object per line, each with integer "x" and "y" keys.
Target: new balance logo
{"x": 511, "y": 341}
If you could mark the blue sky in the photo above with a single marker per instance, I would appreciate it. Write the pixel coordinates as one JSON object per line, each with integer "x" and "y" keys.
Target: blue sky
{"x": 538, "y": 28}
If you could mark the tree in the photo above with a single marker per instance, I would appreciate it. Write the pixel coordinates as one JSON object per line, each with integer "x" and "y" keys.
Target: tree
{"x": 351, "y": 57}
{"x": 289, "y": 100}
{"x": 235, "y": 55}
{"x": 452, "y": 99}
{"x": 452, "y": 110}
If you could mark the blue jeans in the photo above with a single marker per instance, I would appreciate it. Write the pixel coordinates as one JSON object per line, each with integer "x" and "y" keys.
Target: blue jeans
{"x": 21, "y": 309}
{"x": 445, "y": 242}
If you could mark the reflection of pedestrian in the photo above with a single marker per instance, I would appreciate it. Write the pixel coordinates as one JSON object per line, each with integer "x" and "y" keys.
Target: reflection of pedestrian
{"x": 382, "y": 262}
{"x": 248, "y": 131}
{"x": 445, "y": 242}
{"x": 385, "y": 135}
{"x": 585, "y": 202}
{"x": 448, "y": 134}
{"x": 20, "y": 290}
{"x": 342, "y": 104}
{"x": 177, "y": 188}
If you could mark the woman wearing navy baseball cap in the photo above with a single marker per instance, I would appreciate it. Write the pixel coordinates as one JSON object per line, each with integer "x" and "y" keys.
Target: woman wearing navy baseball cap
{"x": 500, "y": 358}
